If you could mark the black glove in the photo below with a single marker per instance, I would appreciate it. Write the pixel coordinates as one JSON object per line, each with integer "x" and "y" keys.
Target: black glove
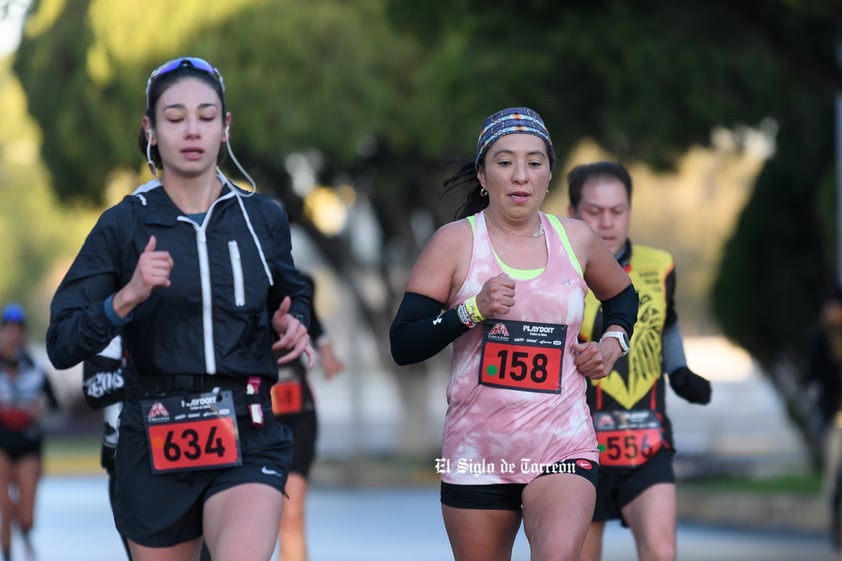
{"x": 690, "y": 386}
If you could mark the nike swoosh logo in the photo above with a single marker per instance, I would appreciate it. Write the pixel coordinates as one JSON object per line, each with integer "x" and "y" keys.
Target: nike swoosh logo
{"x": 266, "y": 471}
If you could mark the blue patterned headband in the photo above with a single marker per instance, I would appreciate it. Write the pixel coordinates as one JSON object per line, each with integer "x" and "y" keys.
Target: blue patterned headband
{"x": 513, "y": 120}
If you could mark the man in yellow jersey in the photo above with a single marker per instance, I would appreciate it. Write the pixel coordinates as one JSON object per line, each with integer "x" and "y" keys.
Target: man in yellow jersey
{"x": 636, "y": 481}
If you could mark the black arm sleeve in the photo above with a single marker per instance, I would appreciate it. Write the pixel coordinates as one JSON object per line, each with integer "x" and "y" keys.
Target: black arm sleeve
{"x": 622, "y": 309}
{"x": 289, "y": 280}
{"x": 420, "y": 329}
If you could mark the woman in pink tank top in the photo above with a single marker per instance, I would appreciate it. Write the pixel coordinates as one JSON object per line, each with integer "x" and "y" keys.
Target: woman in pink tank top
{"x": 505, "y": 283}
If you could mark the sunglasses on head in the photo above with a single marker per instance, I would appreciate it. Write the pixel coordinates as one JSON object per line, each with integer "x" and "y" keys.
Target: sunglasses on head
{"x": 184, "y": 62}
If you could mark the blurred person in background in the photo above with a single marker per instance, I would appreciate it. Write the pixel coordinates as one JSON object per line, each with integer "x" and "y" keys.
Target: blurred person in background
{"x": 636, "y": 476}
{"x": 294, "y": 405}
{"x": 505, "y": 283}
{"x": 103, "y": 386}
{"x": 25, "y": 396}
{"x": 824, "y": 374}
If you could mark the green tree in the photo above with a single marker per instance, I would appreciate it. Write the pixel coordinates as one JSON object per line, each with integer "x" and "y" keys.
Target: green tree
{"x": 36, "y": 230}
{"x": 324, "y": 77}
{"x": 649, "y": 80}
{"x": 385, "y": 91}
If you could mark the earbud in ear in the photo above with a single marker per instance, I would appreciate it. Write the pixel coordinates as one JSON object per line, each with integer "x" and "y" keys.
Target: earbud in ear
{"x": 149, "y": 134}
{"x": 227, "y": 131}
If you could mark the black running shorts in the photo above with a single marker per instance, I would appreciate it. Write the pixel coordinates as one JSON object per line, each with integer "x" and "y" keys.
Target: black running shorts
{"x": 507, "y": 496}
{"x": 17, "y": 444}
{"x": 305, "y": 428}
{"x": 161, "y": 510}
{"x": 617, "y": 488}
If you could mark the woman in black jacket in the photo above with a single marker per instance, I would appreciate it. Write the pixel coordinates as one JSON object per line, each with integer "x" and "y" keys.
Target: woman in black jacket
{"x": 197, "y": 275}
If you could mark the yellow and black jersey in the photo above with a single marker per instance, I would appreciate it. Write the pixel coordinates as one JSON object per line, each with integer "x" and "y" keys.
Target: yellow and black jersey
{"x": 637, "y": 381}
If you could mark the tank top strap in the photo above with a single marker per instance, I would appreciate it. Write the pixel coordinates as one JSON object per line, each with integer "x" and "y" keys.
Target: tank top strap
{"x": 562, "y": 234}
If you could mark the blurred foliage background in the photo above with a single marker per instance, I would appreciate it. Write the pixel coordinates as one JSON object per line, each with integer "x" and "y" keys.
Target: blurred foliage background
{"x": 349, "y": 111}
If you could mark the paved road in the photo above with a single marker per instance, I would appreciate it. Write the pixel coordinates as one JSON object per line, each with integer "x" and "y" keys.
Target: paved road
{"x": 73, "y": 523}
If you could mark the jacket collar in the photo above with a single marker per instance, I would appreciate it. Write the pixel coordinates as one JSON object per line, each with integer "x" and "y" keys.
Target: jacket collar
{"x": 162, "y": 211}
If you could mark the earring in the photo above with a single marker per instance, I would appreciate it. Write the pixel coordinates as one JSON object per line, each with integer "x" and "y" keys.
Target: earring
{"x": 483, "y": 192}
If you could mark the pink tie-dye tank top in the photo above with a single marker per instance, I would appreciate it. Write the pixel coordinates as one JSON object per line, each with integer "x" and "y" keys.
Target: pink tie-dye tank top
{"x": 516, "y": 401}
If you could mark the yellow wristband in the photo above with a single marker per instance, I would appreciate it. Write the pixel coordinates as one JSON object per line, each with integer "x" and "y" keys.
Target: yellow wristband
{"x": 473, "y": 309}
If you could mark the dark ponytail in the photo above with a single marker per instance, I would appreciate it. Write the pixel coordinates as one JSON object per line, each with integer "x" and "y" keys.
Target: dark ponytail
{"x": 465, "y": 177}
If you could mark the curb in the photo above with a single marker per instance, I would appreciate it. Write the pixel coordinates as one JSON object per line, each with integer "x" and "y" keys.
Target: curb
{"x": 796, "y": 513}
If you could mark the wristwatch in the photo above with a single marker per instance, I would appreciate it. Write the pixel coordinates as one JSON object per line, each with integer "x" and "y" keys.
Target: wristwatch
{"x": 625, "y": 344}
